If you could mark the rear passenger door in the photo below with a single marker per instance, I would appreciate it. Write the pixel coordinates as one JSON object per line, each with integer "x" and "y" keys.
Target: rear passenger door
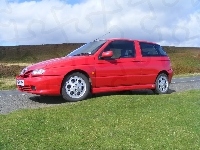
{"x": 152, "y": 62}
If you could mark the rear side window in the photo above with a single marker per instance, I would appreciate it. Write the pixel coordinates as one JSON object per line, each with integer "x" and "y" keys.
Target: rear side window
{"x": 148, "y": 50}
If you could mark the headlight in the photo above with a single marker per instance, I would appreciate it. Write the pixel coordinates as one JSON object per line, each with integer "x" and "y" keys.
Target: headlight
{"x": 38, "y": 72}
{"x": 24, "y": 71}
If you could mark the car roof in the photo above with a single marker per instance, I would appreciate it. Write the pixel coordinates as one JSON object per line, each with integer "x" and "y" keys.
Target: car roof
{"x": 126, "y": 39}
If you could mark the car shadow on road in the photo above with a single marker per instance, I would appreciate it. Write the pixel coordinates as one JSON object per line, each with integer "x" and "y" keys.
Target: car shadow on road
{"x": 48, "y": 99}
{"x": 60, "y": 100}
{"x": 134, "y": 92}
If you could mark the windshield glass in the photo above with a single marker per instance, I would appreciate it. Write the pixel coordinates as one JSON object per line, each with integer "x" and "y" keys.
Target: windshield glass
{"x": 87, "y": 49}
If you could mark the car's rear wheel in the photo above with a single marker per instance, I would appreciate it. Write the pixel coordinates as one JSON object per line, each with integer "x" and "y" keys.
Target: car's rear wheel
{"x": 75, "y": 87}
{"x": 162, "y": 84}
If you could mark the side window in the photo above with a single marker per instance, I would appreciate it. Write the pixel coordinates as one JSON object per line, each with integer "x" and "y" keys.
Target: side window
{"x": 161, "y": 51}
{"x": 121, "y": 49}
{"x": 151, "y": 50}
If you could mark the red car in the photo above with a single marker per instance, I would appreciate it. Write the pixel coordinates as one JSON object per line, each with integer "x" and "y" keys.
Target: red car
{"x": 100, "y": 66}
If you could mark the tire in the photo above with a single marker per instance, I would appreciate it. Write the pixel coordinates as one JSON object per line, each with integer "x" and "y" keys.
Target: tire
{"x": 76, "y": 87}
{"x": 162, "y": 84}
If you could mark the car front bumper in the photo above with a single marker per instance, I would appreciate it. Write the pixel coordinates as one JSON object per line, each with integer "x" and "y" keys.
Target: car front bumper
{"x": 40, "y": 85}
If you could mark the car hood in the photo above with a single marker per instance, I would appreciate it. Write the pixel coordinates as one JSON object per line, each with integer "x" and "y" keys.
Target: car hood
{"x": 62, "y": 62}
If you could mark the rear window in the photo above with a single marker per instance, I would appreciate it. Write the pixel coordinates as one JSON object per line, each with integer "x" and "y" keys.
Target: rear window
{"x": 149, "y": 49}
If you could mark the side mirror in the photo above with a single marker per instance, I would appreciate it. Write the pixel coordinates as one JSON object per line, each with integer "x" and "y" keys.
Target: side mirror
{"x": 107, "y": 54}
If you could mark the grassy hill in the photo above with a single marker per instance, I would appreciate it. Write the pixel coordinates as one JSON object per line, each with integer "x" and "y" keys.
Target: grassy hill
{"x": 184, "y": 59}
{"x": 12, "y": 58}
{"x": 35, "y": 53}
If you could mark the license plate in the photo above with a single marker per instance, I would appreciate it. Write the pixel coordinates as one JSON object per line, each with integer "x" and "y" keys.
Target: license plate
{"x": 20, "y": 82}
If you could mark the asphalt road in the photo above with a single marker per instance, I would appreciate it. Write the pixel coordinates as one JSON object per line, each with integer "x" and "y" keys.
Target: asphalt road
{"x": 186, "y": 79}
{"x": 12, "y": 100}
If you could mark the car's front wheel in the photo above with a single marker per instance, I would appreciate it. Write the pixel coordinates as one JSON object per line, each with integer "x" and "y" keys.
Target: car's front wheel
{"x": 75, "y": 87}
{"x": 162, "y": 84}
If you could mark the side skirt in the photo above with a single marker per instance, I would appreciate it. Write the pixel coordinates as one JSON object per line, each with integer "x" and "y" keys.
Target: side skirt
{"x": 122, "y": 88}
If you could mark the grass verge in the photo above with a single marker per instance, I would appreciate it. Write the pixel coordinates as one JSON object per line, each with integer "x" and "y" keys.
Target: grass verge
{"x": 16, "y": 64}
{"x": 7, "y": 83}
{"x": 187, "y": 75}
{"x": 108, "y": 122}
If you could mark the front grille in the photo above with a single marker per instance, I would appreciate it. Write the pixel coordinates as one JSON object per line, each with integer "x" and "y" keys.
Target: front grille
{"x": 25, "y": 88}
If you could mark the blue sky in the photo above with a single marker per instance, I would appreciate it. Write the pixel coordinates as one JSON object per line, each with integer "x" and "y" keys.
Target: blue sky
{"x": 67, "y": 1}
{"x": 169, "y": 22}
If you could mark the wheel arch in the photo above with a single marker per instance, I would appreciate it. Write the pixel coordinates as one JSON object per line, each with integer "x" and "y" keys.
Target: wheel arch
{"x": 163, "y": 71}
{"x": 73, "y": 71}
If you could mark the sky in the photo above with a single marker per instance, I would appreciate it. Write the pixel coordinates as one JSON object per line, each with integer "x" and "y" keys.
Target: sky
{"x": 37, "y": 22}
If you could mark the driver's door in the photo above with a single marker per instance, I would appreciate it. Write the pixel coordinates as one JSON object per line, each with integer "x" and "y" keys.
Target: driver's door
{"x": 120, "y": 70}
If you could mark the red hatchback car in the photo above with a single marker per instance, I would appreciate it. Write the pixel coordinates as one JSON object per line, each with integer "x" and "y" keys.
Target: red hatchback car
{"x": 100, "y": 66}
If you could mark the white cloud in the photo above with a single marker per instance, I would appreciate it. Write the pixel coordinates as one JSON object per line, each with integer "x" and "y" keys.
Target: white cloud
{"x": 171, "y": 22}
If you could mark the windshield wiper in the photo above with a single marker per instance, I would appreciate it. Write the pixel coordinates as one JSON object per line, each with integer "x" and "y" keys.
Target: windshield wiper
{"x": 80, "y": 54}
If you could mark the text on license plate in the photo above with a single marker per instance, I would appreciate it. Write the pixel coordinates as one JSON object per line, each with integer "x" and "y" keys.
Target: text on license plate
{"x": 20, "y": 82}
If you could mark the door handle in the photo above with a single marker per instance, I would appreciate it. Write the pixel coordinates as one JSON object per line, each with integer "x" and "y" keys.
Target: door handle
{"x": 136, "y": 61}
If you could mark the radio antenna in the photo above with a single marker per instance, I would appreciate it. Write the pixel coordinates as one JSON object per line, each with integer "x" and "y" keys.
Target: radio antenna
{"x": 101, "y": 36}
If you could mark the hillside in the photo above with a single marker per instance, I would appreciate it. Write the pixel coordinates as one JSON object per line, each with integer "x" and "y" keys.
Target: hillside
{"x": 35, "y": 53}
{"x": 184, "y": 59}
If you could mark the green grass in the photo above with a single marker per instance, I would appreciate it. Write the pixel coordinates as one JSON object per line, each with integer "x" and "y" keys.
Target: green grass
{"x": 108, "y": 122}
{"x": 7, "y": 83}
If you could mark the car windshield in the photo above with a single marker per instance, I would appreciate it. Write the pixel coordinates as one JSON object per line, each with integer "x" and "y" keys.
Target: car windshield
{"x": 87, "y": 49}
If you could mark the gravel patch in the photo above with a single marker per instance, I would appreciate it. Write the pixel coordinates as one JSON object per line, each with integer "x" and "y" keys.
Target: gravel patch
{"x": 13, "y": 100}
{"x": 11, "y": 103}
